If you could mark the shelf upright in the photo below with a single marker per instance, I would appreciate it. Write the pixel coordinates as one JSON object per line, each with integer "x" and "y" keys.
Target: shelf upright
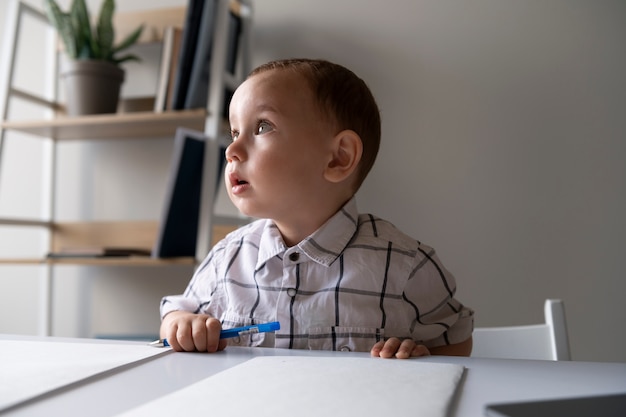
{"x": 18, "y": 11}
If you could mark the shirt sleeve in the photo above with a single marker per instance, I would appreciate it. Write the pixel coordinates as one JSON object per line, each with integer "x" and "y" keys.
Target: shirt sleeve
{"x": 199, "y": 292}
{"x": 440, "y": 319}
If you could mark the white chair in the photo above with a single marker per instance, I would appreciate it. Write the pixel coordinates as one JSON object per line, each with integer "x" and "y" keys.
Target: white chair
{"x": 547, "y": 341}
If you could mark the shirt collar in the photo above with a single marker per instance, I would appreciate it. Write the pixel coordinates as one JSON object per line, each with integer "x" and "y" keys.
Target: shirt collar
{"x": 323, "y": 246}
{"x": 271, "y": 244}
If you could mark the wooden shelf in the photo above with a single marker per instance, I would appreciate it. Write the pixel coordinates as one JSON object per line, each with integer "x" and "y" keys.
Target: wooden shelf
{"x": 112, "y": 126}
{"x": 109, "y": 261}
{"x": 135, "y": 234}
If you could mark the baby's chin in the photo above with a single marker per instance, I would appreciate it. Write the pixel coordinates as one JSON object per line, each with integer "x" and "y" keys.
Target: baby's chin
{"x": 244, "y": 207}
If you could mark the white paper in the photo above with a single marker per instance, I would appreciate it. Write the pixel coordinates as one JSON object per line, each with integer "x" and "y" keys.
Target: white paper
{"x": 316, "y": 386}
{"x": 31, "y": 368}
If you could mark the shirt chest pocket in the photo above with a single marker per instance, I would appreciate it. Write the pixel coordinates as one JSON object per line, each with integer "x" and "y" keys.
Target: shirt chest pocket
{"x": 347, "y": 339}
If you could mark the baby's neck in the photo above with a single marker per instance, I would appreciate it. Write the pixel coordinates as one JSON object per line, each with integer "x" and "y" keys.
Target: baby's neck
{"x": 302, "y": 225}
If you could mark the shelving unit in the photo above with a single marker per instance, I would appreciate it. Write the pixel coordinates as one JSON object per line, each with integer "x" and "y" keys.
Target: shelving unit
{"x": 120, "y": 127}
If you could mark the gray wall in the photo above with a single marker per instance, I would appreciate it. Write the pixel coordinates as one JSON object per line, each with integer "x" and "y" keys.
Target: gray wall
{"x": 504, "y": 141}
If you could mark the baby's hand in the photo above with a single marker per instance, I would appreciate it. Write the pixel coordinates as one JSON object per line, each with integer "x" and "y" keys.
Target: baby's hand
{"x": 190, "y": 332}
{"x": 400, "y": 349}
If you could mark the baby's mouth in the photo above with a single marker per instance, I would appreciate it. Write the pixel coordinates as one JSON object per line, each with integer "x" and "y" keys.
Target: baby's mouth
{"x": 238, "y": 186}
{"x": 235, "y": 180}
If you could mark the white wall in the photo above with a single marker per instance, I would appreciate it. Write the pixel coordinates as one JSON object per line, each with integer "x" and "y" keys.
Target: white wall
{"x": 504, "y": 140}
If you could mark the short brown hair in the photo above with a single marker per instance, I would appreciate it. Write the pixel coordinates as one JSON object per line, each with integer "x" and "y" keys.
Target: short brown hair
{"x": 344, "y": 98}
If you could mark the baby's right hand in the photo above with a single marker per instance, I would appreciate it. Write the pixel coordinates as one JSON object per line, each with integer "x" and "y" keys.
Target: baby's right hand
{"x": 190, "y": 332}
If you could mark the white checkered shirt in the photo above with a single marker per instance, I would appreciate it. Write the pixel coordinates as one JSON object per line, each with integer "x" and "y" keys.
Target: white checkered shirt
{"x": 353, "y": 282}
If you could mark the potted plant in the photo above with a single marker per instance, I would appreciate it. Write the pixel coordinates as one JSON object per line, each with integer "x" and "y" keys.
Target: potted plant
{"x": 92, "y": 75}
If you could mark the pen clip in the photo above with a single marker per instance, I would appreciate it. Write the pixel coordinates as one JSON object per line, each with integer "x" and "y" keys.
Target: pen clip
{"x": 160, "y": 343}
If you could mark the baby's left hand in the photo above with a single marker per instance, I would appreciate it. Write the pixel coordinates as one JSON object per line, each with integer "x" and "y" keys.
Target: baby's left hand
{"x": 400, "y": 349}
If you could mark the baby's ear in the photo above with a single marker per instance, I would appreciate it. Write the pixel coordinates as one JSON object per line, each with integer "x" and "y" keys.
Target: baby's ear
{"x": 347, "y": 150}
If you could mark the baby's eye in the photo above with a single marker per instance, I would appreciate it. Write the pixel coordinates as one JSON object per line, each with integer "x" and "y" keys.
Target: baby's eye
{"x": 263, "y": 127}
{"x": 234, "y": 134}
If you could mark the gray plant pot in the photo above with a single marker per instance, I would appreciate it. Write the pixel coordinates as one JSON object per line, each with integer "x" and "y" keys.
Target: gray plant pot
{"x": 91, "y": 86}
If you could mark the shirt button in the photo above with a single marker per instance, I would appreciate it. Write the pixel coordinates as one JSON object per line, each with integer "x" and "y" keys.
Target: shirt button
{"x": 291, "y": 292}
{"x": 294, "y": 256}
{"x": 345, "y": 349}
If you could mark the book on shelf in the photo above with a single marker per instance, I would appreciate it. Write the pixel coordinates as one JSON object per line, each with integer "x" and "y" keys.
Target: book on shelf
{"x": 234, "y": 35}
{"x": 172, "y": 37}
{"x": 232, "y": 51}
{"x": 191, "y": 86}
{"x": 178, "y": 37}
{"x": 188, "y": 49}
{"x": 98, "y": 252}
{"x": 197, "y": 90}
{"x": 180, "y": 217}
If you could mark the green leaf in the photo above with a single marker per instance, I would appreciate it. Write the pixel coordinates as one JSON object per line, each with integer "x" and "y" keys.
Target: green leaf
{"x": 61, "y": 22}
{"x": 125, "y": 58}
{"x": 81, "y": 26}
{"x": 81, "y": 40}
{"x": 104, "y": 30}
{"x": 129, "y": 41}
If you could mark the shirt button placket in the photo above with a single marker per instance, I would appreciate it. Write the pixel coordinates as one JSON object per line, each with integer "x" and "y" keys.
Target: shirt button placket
{"x": 293, "y": 257}
{"x": 283, "y": 305}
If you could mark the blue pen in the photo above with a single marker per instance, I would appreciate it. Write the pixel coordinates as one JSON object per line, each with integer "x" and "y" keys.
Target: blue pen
{"x": 234, "y": 332}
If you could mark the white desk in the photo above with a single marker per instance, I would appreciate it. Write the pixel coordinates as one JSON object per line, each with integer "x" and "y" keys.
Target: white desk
{"x": 485, "y": 381}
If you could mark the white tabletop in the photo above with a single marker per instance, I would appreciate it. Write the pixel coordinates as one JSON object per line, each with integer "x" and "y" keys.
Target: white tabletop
{"x": 485, "y": 381}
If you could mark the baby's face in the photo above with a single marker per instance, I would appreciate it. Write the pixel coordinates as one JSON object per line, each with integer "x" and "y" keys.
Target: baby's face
{"x": 281, "y": 145}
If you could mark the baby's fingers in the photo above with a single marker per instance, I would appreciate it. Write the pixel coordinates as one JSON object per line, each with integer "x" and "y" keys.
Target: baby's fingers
{"x": 409, "y": 349}
{"x": 387, "y": 348}
{"x": 394, "y": 347}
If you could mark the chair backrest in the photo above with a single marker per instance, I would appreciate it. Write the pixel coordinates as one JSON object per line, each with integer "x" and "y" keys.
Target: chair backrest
{"x": 540, "y": 341}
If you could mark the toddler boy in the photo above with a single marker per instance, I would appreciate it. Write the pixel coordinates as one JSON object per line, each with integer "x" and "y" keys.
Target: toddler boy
{"x": 305, "y": 135}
